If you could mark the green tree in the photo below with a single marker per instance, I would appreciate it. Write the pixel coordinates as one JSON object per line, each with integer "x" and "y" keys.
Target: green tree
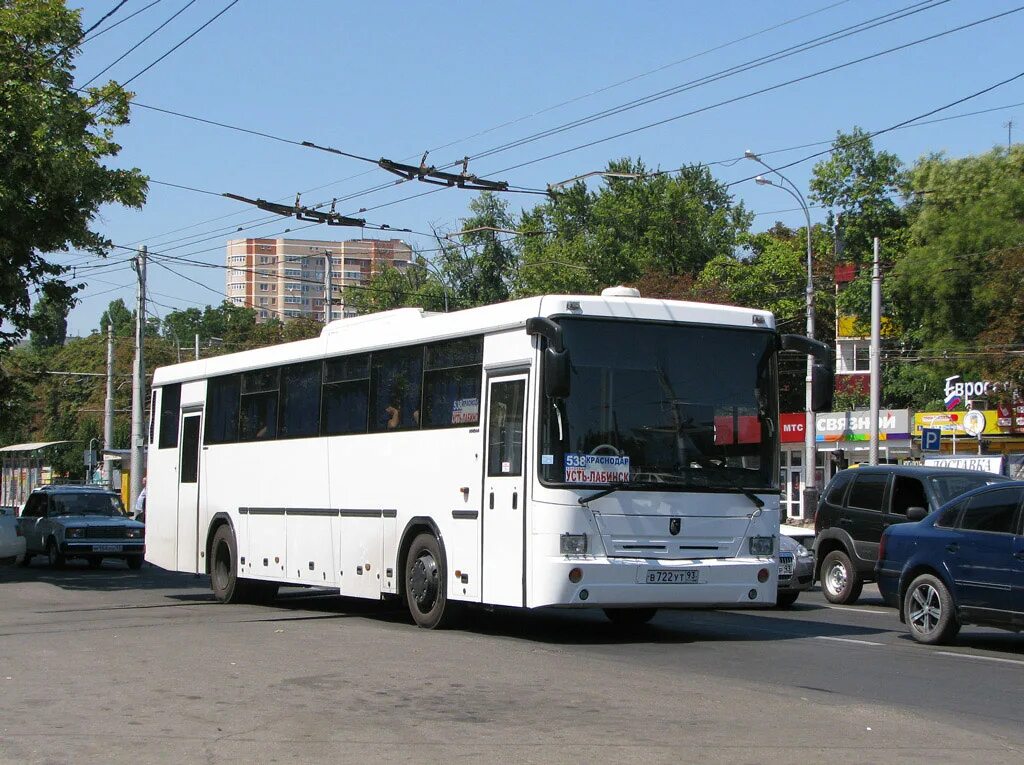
{"x": 670, "y": 223}
{"x": 391, "y": 288}
{"x": 117, "y": 313}
{"x": 481, "y": 268}
{"x": 54, "y": 142}
{"x": 49, "y": 323}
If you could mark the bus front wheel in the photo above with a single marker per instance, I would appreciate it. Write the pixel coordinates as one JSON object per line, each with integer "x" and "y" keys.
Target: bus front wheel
{"x": 227, "y": 586}
{"x": 426, "y": 590}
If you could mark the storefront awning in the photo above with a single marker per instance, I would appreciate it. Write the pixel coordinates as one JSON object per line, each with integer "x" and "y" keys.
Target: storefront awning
{"x": 31, "y": 446}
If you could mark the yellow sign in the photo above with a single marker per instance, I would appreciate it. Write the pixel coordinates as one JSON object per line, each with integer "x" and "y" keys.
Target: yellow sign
{"x": 952, "y": 423}
{"x": 851, "y": 326}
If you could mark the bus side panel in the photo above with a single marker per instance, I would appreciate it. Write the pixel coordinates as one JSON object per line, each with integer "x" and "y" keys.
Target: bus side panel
{"x": 310, "y": 549}
{"x": 362, "y": 574}
{"x": 267, "y": 547}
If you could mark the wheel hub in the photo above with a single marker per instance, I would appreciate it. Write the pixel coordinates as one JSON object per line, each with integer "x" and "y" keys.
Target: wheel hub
{"x": 836, "y": 579}
{"x": 925, "y": 609}
{"x": 423, "y": 581}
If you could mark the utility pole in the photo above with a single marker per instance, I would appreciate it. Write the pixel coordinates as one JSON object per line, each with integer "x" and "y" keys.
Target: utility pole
{"x": 108, "y": 409}
{"x": 875, "y": 352}
{"x": 328, "y": 283}
{"x": 1009, "y": 132}
{"x": 138, "y": 385}
{"x": 197, "y": 346}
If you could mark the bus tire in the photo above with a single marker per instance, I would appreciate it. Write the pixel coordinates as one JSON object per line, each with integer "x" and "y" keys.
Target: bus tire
{"x": 426, "y": 590}
{"x": 630, "y": 617}
{"x": 227, "y": 586}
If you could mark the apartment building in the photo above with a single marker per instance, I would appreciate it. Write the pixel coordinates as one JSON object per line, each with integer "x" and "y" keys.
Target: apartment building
{"x": 285, "y": 278}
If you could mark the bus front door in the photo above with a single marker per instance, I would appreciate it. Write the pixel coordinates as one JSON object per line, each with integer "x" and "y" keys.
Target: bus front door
{"x": 188, "y": 493}
{"x": 504, "y": 517}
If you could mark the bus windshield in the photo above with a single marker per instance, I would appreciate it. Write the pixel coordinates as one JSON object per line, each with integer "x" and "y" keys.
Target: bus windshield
{"x": 664, "y": 406}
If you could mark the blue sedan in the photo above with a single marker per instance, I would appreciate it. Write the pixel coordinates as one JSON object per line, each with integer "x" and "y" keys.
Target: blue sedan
{"x": 963, "y": 564}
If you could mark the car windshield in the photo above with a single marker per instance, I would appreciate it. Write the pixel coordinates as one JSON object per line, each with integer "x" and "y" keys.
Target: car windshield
{"x": 665, "y": 406}
{"x": 948, "y": 487}
{"x": 86, "y": 504}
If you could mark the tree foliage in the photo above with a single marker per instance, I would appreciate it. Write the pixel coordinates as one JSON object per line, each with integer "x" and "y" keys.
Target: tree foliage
{"x": 53, "y": 143}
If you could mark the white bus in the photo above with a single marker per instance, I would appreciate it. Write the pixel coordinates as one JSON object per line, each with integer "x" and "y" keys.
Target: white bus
{"x": 605, "y": 452}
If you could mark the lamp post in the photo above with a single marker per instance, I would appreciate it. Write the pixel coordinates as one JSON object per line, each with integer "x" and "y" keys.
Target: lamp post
{"x": 328, "y": 282}
{"x": 810, "y": 497}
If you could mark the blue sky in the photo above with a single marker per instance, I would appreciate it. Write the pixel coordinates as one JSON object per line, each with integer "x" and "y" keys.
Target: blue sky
{"x": 393, "y": 79}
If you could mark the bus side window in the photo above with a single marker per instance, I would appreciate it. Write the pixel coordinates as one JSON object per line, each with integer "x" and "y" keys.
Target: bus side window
{"x": 170, "y": 403}
{"x": 300, "y": 400}
{"x": 222, "y": 409}
{"x": 258, "y": 410}
{"x": 346, "y": 394}
{"x": 451, "y": 383}
{"x": 395, "y": 386}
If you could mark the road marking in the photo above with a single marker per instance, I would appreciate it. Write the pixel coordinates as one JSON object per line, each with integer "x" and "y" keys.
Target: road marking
{"x": 858, "y": 610}
{"x": 848, "y": 640}
{"x": 980, "y": 658}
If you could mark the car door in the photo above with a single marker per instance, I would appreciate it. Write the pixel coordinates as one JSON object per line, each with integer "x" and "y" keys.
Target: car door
{"x": 31, "y": 520}
{"x": 1017, "y": 568}
{"x": 862, "y": 518}
{"x": 980, "y": 556}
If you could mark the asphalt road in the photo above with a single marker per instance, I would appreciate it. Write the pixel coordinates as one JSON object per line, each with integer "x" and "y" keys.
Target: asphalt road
{"x": 119, "y": 666}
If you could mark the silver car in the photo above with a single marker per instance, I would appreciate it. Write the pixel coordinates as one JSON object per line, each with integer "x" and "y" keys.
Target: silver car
{"x": 63, "y": 521}
{"x": 796, "y": 571}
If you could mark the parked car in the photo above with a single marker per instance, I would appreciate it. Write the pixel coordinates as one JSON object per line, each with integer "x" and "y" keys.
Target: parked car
{"x": 860, "y": 503}
{"x": 963, "y": 564}
{"x": 796, "y": 571}
{"x": 62, "y": 522}
{"x": 12, "y": 543}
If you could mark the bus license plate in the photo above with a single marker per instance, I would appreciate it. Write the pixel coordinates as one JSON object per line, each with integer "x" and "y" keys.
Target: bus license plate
{"x": 107, "y": 548}
{"x": 672, "y": 576}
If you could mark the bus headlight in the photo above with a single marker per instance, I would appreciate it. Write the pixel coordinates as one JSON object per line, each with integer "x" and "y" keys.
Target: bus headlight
{"x": 573, "y": 544}
{"x": 762, "y": 545}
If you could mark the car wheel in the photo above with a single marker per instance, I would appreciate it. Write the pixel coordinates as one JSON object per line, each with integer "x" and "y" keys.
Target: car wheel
{"x": 929, "y": 611}
{"x": 786, "y": 599}
{"x": 54, "y": 555}
{"x": 630, "y": 617}
{"x": 95, "y": 562}
{"x": 134, "y": 562}
{"x": 426, "y": 590}
{"x": 840, "y": 581}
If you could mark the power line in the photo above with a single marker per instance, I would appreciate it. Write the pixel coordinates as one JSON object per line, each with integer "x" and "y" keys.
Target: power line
{"x": 140, "y": 42}
{"x": 118, "y": 23}
{"x": 178, "y": 45}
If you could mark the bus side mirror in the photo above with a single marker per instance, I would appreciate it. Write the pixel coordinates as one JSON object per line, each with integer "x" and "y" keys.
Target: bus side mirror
{"x": 823, "y": 386}
{"x": 556, "y": 357}
{"x": 556, "y": 373}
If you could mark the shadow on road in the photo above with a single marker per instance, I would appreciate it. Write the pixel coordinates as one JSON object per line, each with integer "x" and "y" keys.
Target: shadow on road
{"x": 112, "y": 576}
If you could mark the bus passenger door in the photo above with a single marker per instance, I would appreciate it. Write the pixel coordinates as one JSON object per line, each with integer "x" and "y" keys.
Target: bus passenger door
{"x": 188, "y": 493}
{"x": 504, "y": 517}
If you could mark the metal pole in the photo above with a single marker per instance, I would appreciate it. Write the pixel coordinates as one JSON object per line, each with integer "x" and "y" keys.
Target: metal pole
{"x": 197, "y": 346}
{"x": 875, "y": 352}
{"x": 328, "y": 283}
{"x": 108, "y": 409}
{"x": 138, "y": 386}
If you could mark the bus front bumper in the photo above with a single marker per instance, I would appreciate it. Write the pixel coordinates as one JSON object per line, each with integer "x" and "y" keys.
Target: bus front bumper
{"x": 634, "y": 582}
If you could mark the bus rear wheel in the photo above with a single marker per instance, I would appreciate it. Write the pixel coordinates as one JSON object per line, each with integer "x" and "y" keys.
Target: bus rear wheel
{"x": 426, "y": 590}
{"x": 227, "y": 586}
{"x": 630, "y": 617}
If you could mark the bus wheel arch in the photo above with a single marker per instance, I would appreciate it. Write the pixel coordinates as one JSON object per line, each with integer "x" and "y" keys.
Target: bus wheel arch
{"x": 423, "y": 559}
{"x": 218, "y": 520}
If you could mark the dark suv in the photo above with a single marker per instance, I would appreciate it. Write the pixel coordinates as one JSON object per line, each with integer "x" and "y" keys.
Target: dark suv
{"x": 74, "y": 521}
{"x": 860, "y": 503}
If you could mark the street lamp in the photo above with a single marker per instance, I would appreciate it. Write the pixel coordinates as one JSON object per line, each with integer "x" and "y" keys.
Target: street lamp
{"x": 810, "y": 498}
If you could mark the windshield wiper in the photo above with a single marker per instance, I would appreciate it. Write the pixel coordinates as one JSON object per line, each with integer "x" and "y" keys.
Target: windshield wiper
{"x": 618, "y": 485}
{"x": 724, "y": 473}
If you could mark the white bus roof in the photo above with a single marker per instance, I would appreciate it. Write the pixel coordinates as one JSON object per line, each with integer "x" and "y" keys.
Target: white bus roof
{"x": 412, "y": 325}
